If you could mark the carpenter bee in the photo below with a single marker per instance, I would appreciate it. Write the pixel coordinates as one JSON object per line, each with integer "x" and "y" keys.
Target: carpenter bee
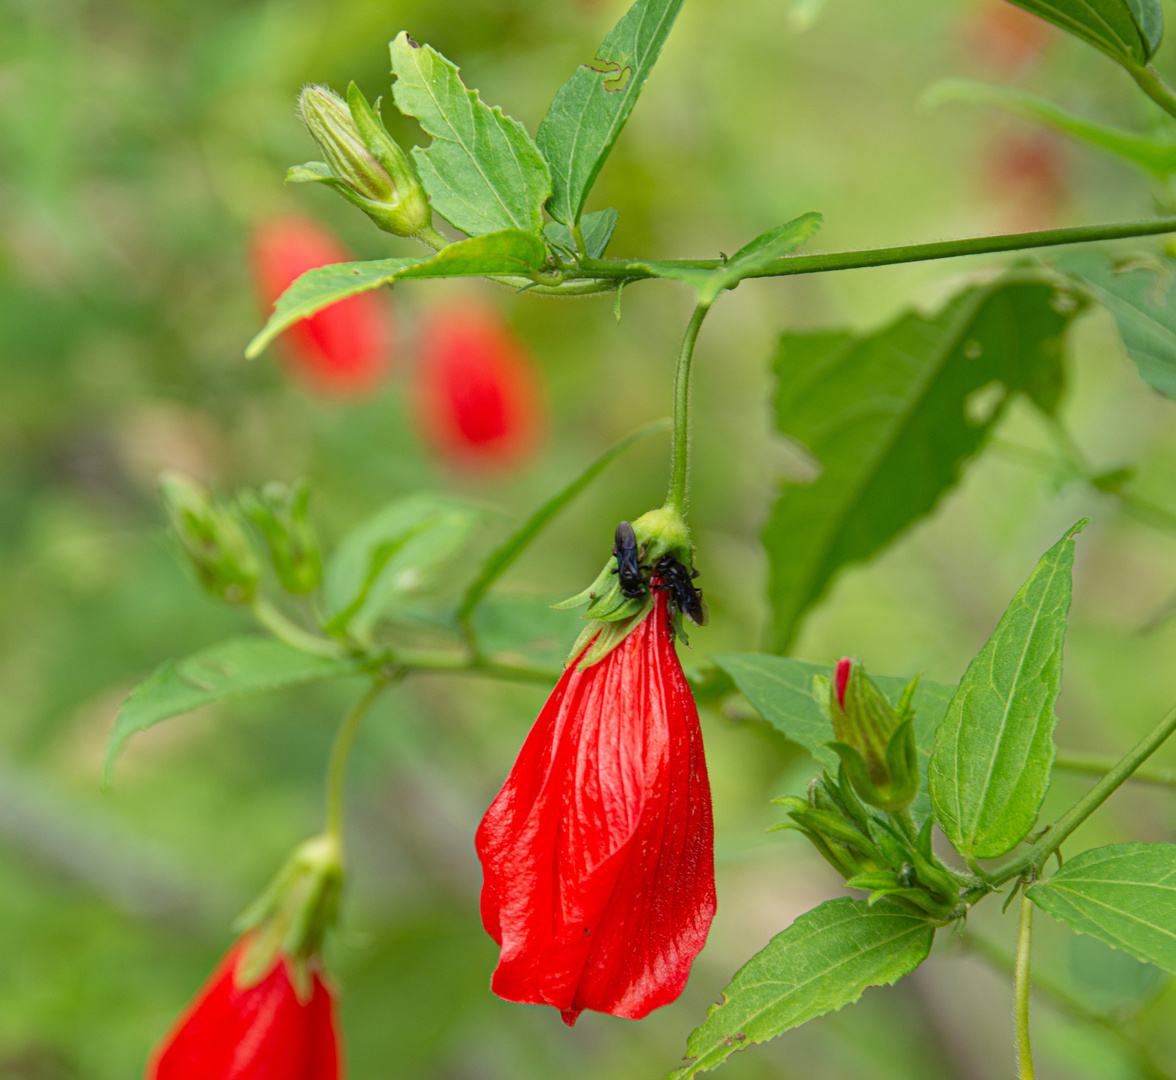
{"x": 628, "y": 562}
{"x": 679, "y": 582}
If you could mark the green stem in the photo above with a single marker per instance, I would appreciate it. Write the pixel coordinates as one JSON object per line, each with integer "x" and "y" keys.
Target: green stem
{"x": 1155, "y": 88}
{"x": 340, "y": 752}
{"x": 284, "y": 630}
{"x": 1060, "y": 830}
{"x": 1096, "y": 765}
{"x": 1021, "y": 984}
{"x": 430, "y": 237}
{"x": 908, "y": 253}
{"x": 680, "y": 472}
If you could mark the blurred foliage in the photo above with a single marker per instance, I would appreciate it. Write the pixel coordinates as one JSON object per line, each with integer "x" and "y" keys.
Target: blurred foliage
{"x": 140, "y": 143}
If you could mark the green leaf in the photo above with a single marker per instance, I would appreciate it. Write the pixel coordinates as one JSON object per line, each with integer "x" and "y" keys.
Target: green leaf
{"x": 592, "y": 107}
{"x": 514, "y": 545}
{"x": 1155, "y": 155}
{"x": 1143, "y": 304}
{"x": 995, "y": 748}
{"x": 522, "y": 628}
{"x": 234, "y": 668}
{"x": 1128, "y": 31}
{"x": 892, "y": 417}
{"x": 821, "y": 963}
{"x": 482, "y": 171}
{"x": 509, "y": 252}
{"x": 1122, "y": 894}
{"x": 394, "y": 558}
{"x": 597, "y": 229}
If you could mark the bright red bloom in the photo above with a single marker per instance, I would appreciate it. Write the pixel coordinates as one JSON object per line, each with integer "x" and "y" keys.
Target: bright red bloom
{"x": 598, "y": 853}
{"x": 477, "y": 390}
{"x": 259, "y": 1032}
{"x": 343, "y": 350}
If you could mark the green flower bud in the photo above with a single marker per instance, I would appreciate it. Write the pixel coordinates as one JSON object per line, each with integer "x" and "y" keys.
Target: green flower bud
{"x": 364, "y": 163}
{"x": 279, "y": 512}
{"x": 875, "y": 741}
{"x": 212, "y": 538}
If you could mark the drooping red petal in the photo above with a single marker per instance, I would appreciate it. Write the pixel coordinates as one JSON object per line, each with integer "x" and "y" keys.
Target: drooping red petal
{"x": 598, "y": 853}
{"x": 259, "y": 1032}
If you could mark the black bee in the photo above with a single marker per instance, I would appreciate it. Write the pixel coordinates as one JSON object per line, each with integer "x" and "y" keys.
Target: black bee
{"x": 628, "y": 562}
{"x": 679, "y": 582}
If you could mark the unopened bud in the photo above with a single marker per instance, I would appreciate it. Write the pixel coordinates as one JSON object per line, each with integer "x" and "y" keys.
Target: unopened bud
{"x": 364, "y": 163}
{"x": 212, "y": 538}
{"x": 280, "y": 514}
{"x": 875, "y": 741}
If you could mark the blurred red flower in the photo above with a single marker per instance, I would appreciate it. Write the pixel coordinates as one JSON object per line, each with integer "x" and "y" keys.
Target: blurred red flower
{"x": 477, "y": 390}
{"x": 343, "y": 350}
{"x": 598, "y": 853}
{"x": 257, "y": 1032}
{"x": 1003, "y": 37}
{"x": 1027, "y": 172}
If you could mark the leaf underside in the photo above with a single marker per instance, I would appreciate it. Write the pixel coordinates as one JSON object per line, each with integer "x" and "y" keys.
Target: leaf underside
{"x": 1128, "y": 31}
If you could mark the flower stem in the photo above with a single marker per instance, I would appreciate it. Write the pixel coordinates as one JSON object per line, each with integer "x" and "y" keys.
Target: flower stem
{"x": 1159, "y": 91}
{"x": 680, "y": 471}
{"x": 1024, "y": 947}
{"x": 286, "y": 631}
{"x": 340, "y": 752}
{"x": 1060, "y": 830}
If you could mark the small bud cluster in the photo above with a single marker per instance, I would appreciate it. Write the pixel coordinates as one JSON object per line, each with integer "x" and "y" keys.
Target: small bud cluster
{"x": 279, "y": 512}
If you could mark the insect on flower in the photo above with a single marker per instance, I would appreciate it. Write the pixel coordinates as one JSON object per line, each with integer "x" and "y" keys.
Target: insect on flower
{"x": 675, "y": 579}
{"x": 628, "y": 567}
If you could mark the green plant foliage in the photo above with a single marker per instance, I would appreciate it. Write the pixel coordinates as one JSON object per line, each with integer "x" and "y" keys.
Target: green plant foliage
{"x": 1129, "y": 31}
{"x": 393, "y": 558}
{"x": 234, "y": 668}
{"x": 821, "y": 963}
{"x": 892, "y": 417}
{"x": 523, "y": 627}
{"x": 509, "y": 252}
{"x": 591, "y": 108}
{"x": 995, "y": 748}
{"x": 597, "y": 229}
{"x": 1142, "y": 300}
{"x": 482, "y": 171}
{"x": 1122, "y": 894}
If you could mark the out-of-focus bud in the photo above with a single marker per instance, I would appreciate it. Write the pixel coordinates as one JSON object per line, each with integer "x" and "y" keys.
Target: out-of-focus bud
{"x": 1004, "y": 38}
{"x": 477, "y": 392}
{"x": 212, "y": 538}
{"x": 875, "y": 741}
{"x": 342, "y": 350}
{"x": 279, "y": 513}
{"x": 364, "y": 163}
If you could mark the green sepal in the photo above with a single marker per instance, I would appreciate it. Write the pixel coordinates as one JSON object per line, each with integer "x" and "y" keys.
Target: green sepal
{"x": 280, "y": 514}
{"x": 604, "y": 637}
{"x": 887, "y": 885}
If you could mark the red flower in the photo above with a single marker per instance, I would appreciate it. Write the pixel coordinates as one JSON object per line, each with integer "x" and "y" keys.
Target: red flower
{"x": 479, "y": 403}
{"x": 258, "y": 1032}
{"x": 841, "y": 679}
{"x": 1005, "y": 38}
{"x": 598, "y": 853}
{"x": 343, "y": 350}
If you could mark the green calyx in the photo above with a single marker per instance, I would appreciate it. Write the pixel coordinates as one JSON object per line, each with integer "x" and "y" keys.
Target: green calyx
{"x": 280, "y": 514}
{"x": 212, "y": 538}
{"x": 364, "y": 163}
{"x": 290, "y": 919}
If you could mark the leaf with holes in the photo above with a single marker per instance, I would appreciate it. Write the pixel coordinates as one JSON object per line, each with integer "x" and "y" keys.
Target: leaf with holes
{"x": 892, "y": 417}
{"x": 1129, "y": 31}
{"x": 824, "y": 961}
{"x": 1122, "y": 894}
{"x": 482, "y": 171}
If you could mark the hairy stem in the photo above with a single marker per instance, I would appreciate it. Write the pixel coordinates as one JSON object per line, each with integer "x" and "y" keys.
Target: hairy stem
{"x": 680, "y": 471}
{"x": 340, "y": 752}
{"x": 1021, "y": 992}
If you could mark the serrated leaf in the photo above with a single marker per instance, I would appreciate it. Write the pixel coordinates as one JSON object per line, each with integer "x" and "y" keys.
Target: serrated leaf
{"x": 591, "y": 108}
{"x": 510, "y": 252}
{"x": 234, "y": 668}
{"x": 597, "y": 229}
{"x": 1143, "y": 302}
{"x": 482, "y": 171}
{"x": 892, "y": 417}
{"x": 824, "y": 961}
{"x": 1128, "y": 31}
{"x": 393, "y": 558}
{"x": 1122, "y": 894}
{"x": 995, "y": 747}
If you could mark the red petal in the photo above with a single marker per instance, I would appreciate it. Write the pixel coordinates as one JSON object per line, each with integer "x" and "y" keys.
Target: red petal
{"x": 598, "y": 852}
{"x": 259, "y": 1032}
{"x": 841, "y": 679}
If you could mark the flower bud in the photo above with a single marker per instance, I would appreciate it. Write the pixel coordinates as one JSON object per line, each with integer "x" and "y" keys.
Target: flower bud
{"x": 364, "y": 163}
{"x": 279, "y": 513}
{"x": 875, "y": 741}
{"x": 212, "y": 538}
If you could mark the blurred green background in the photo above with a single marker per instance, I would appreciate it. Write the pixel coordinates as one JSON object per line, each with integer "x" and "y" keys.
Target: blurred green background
{"x": 140, "y": 142}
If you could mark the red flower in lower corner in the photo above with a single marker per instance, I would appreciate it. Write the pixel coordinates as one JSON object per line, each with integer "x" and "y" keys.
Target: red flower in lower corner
{"x": 598, "y": 853}
{"x": 477, "y": 389}
{"x": 263, "y": 1031}
{"x": 345, "y": 349}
